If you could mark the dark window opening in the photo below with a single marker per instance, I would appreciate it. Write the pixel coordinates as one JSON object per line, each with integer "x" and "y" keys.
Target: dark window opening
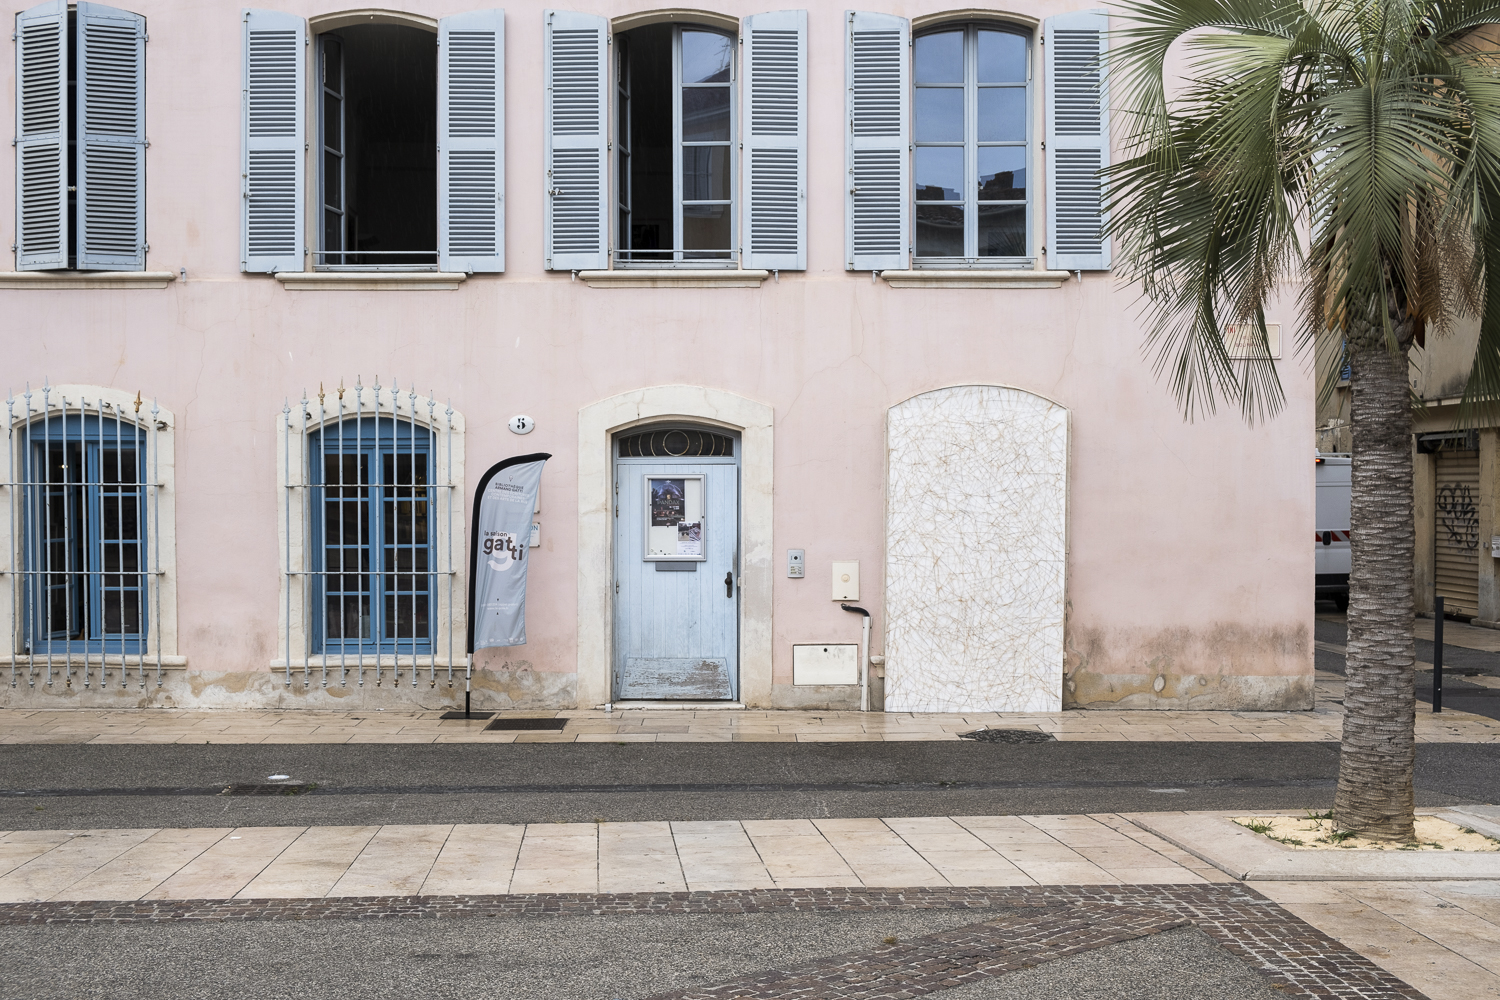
{"x": 674, "y": 162}
{"x": 377, "y": 101}
{"x": 676, "y": 443}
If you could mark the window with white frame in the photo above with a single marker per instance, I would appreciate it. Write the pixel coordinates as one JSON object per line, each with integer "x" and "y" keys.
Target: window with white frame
{"x": 709, "y": 160}
{"x": 372, "y": 487}
{"x": 406, "y": 145}
{"x": 80, "y": 138}
{"x": 89, "y": 567}
{"x": 971, "y": 130}
{"x": 674, "y": 173}
{"x": 942, "y": 148}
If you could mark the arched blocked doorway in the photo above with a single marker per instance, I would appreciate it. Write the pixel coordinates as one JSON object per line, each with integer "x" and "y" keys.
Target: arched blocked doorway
{"x": 976, "y": 551}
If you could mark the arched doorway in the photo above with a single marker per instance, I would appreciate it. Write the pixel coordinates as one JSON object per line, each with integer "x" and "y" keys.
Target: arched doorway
{"x": 676, "y": 564}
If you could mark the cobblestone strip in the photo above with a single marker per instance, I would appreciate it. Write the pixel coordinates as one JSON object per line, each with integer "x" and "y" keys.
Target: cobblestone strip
{"x": 1051, "y": 921}
{"x": 952, "y": 958}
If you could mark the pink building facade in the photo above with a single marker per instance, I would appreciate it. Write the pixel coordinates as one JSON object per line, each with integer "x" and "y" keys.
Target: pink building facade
{"x": 809, "y": 308}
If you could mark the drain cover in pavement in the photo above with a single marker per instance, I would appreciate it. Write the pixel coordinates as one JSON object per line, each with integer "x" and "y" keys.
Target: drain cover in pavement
{"x": 1008, "y": 736}
{"x": 554, "y": 724}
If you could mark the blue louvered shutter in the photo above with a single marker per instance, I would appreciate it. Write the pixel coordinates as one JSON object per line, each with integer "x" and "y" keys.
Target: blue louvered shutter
{"x": 775, "y": 116}
{"x": 471, "y": 142}
{"x": 42, "y": 137}
{"x": 878, "y": 72}
{"x": 274, "y": 142}
{"x": 575, "y": 136}
{"x": 1077, "y": 98}
{"x": 111, "y": 139}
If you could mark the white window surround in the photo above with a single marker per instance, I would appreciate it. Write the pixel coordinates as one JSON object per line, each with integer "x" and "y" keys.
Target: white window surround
{"x": 370, "y": 281}
{"x": 292, "y": 456}
{"x": 163, "y": 625}
{"x": 597, "y": 424}
{"x": 978, "y": 277}
{"x": 71, "y": 280}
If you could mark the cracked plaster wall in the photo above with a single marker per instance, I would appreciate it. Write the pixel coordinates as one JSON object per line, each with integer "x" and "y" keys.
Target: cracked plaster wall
{"x": 976, "y": 543}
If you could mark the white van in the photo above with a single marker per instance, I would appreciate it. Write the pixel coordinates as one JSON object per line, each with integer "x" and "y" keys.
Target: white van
{"x": 1332, "y": 537}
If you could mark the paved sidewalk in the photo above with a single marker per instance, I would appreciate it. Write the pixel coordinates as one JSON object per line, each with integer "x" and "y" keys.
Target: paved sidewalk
{"x": 1441, "y": 937}
{"x": 490, "y": 859}
{"x": 689, "y": 725}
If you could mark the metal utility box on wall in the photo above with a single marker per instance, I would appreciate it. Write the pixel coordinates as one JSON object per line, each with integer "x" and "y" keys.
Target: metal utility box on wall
{"x": 831, "y": 664}
{"x": 846, "y": 581}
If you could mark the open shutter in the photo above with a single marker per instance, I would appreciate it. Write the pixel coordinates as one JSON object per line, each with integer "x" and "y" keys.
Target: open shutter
{"x": 42, "y": 137}
{"x": 1077, "y": 88}
{"x": 471, "y": 141}
{"x": 576, "y": 75}
{"x": 274, "y": 138}
{"x": 878, "y": 73}
{"x": 775, "y": 186}
{"x": 112, "y": 139}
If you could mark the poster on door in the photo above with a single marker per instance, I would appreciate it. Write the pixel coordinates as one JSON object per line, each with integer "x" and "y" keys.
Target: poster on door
{"x": 674, "y": 518}
{"x": 503, "y": 507}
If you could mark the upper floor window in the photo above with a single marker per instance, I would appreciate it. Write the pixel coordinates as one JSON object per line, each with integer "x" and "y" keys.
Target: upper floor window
{"x": 675, "y": 164}
{"x": 386, "y": 95}
{"x": 942, "y": 148}
{"x": 972, "y": 131}
{"x": 377, "y": 137}
{"x": 80, "y": 138}
{"x": 709, "y": 165}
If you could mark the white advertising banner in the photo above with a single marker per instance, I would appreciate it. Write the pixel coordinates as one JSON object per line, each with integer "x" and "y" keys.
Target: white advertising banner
{"x": 503, "y": 506}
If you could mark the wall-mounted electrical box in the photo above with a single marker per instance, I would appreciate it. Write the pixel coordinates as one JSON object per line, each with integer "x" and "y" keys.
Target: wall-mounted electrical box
{"x": 846, "y": 581}
{"x": 831, "y": 664}
{"x": 796, "y": 564}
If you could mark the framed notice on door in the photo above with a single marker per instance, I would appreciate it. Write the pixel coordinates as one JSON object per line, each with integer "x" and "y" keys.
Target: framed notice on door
{"x": 674, "y": 519}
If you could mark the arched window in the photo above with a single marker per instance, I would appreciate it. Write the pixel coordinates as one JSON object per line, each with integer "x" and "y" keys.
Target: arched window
{"x": 972, "y": 133}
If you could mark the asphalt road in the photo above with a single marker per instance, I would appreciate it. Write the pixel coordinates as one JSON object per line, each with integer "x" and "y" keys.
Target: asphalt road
{"x": 1459, "y": 665}
{"x": 82, "y": 786}
{"x": 572, "y": 958}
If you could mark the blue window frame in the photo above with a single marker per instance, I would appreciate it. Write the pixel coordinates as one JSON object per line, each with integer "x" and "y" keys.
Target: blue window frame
{"x": 372, "y": 533}
{"x": 84, "y": 546}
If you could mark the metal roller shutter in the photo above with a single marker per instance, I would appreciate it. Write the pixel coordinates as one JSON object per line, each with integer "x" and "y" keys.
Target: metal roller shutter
{"x": 1457, "y": 509}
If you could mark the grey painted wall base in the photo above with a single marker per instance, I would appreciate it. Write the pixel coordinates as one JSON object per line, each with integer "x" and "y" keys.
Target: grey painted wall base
{"x": 493, "y": 690}
{"x": 833, "y": 697}
{"x": 1231, "y": 848}
{"x": 1197, "y": 692}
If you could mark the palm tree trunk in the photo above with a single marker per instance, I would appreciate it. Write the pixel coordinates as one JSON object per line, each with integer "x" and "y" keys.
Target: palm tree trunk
{"x": 1375, "y": 794}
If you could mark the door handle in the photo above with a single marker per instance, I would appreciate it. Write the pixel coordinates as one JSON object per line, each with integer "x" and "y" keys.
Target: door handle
{"x": 729, "y": 584}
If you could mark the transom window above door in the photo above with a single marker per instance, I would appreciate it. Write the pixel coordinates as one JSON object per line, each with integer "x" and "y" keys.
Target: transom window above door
{"x": 972, "y": 132}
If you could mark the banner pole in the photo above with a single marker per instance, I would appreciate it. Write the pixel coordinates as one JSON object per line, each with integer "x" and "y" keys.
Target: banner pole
{"x": 468, "y": 672}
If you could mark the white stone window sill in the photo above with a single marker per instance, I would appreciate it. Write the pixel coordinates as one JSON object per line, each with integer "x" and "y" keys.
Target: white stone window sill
{"x": 976, "y": 278}
{"x": 86, "y": 279}
{"x": 61, "y": 661}
{"x": 319, "y": 661}
{"x": 674, "y": 278}
{"x": 370, "y": 281}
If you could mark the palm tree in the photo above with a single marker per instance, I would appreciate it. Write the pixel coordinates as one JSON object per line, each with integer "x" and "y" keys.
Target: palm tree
{"x": 1352, "y": 148}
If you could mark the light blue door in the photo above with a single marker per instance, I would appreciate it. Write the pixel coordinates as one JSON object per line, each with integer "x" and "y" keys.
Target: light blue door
{"x": 677, "y": 605}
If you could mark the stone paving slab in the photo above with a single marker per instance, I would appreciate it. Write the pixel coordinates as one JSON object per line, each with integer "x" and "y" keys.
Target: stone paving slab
{"x": 314, "y": 862}
{"x": 657, "y": 725}
{"x": 1251, "y": 857}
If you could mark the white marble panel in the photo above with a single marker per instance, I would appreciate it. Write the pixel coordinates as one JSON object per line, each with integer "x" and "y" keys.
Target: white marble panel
{"x": 976, "y": 546}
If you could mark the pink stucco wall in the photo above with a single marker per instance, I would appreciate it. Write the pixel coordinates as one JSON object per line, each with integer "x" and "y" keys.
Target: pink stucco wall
{"x": 1189, "y": 546}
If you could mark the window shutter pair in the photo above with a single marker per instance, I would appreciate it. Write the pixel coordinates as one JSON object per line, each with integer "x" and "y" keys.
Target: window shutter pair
{"x": 110, "y": 115}
{"x": 471, "y": 142}
{"x": 773, "y": 184}
{"x": 878, "y": 143}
